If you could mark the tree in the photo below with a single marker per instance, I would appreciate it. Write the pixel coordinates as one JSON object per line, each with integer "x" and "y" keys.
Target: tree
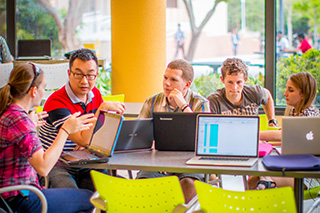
{"x": 311, "y": 10}
{"x": 68, "y": 24}
{"x": 33, "y": 22}
{"x": 196, "y": 30}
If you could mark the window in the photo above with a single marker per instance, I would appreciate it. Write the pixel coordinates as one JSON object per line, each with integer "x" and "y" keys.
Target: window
{"x": 235, "y": 29}
{"x": 297, "y": 22}
{"x": 256, "y": 23}
{"x": 70, "y": 24}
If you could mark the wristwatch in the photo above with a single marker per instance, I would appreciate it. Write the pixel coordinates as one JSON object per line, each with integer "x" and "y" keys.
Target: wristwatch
{"x": 273, "y": 121}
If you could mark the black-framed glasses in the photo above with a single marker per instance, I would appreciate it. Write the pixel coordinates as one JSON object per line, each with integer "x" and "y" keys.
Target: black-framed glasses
{"x": 36, "y": 71}
{"x": 89, "y": 77}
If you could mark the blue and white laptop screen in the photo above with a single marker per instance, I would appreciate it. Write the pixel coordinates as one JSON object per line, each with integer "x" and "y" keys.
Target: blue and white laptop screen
{"x": 227, "y": 136}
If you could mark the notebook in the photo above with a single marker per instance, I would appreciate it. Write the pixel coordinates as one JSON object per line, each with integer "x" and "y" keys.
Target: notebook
{"x": 135, "y": 135}
{"x": 226, "y": 140}
{"x": 37, "y": 49}
{"x": 300, "y": 135}
{"x": 102, "y": 142}
{"x": 174, "y": 131}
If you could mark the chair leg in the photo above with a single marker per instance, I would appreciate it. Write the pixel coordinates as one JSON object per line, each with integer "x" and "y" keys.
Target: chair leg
{"x": 314, "y": 206}
{"x": 46, "y": 181}
{"x": 130, "y": 174}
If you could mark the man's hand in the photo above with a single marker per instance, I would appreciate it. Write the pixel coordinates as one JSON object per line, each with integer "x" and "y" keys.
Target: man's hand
{"x": 272, "y": 125}
{"x": 176, "y": 98}
{"x": 113, "y": 106}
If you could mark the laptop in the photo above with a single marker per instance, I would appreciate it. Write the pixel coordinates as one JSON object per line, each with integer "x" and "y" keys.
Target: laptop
{"x": 135, "y": 135}
{"x": 224, "y": 140}
{"x": 102, "y": 142}
{"x": 300, "y": 135}
{"x": 38, "y": 49}
{"x": 174, "y": 131}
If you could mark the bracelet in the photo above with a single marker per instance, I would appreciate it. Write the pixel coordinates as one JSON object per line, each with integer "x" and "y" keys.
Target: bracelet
{"x": 65, "y": 130}
{"x": 185, "y": 106}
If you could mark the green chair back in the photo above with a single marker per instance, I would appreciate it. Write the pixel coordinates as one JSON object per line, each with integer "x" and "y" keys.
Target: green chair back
{"x": 311, "y": 193}
{"x": 119, "y": 98}
{"x": 141, "y": 195}
{"x": 213, "y": 199}
{"x": 264, "y": 124}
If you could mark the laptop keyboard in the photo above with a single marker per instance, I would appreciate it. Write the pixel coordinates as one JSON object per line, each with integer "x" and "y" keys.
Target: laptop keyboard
{"x": 224, "y": 158}
{"x": 81, "y": 155}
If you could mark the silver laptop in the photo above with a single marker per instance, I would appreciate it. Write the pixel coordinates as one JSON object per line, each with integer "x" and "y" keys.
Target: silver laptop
{"x": 102, "y": 142}
{"x": 223, "y": 140}
{"x": 300, "y": 135}
{"x": 135, "y": 135}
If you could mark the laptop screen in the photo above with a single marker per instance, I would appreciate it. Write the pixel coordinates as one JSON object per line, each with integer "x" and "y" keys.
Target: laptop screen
{"x": 106, "y": 133}
{"x": 32, "y": 48}
{"x": 227, "y": 135}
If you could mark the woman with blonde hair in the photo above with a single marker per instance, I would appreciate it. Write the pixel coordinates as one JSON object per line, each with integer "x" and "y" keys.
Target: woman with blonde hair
{"x": 21, "y": 152}
{"x": 301, "y": 90}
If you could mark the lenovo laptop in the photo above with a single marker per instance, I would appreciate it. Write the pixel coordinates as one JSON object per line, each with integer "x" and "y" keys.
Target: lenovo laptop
{"x": 174, "y": 131}
{"x": 38, "y": 49}
{"x": 226, "y": 140}
{"x": 135, "y": 135}
{"x": 300, "y": 135}
{"x": 102, "y": 142}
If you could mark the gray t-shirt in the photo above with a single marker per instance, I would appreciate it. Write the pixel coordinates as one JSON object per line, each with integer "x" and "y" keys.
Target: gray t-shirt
{"x": 252, "y": 98}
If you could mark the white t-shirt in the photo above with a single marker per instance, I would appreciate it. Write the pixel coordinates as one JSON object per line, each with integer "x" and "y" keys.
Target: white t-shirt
{"x": 282, "y": 44}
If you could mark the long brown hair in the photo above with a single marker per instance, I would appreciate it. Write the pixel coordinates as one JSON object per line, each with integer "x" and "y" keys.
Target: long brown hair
{"x": 22, "y": 78}
{"x": 307, "y": 85}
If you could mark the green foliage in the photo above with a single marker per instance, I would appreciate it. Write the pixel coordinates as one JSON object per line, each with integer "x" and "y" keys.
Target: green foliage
{"x": 308, "y": 9}
{"x": 33, "y": 22}
{"x": 254, "y": 15}
{"x": 308, "y": 62}
{"x": 104, "y": 83}
{"x": 207, "y": 84}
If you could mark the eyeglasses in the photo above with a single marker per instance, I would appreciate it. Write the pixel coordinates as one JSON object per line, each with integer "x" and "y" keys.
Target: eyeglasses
{"x": 36, "y": 71}
{"x": 89, "y": 77}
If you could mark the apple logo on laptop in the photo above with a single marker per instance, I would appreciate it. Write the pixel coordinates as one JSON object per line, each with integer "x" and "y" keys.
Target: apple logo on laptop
{"x": 309, "y": 136}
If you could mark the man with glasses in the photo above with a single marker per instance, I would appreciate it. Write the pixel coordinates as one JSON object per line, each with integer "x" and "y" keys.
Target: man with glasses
{"x": 79, "y": 94}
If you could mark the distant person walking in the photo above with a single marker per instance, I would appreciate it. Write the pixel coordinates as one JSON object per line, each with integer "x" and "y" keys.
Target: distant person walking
{"x": 235, "y": 41}
{"x": 179, "y": 37}
{"x": 282, "y": 45}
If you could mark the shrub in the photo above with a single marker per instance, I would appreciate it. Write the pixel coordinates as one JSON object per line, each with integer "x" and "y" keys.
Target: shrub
{"x": 104, "y": 83}
{"x": 308, "y": 62}
{"x": 207, "y": 84}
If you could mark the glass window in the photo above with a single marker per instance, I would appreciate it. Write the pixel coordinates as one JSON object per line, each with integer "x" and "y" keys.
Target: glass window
{"x": 297, "y": 42}
{"x": 69, "y": 24}
{"x": 228, "y": 29}
{"x": 234, "y": 29}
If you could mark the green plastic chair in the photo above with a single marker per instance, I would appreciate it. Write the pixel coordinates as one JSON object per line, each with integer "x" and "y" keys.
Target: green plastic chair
{"x": 311, "y": 193}
{"x": 264, "y": 124}
{"x": 162, "y": 194}
{"x": 213, "y": 199}
{"x": 119, "y": 98}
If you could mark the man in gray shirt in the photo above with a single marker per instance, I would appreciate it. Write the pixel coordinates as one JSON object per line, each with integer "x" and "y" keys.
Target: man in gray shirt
{"x": 236, "y": 98}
